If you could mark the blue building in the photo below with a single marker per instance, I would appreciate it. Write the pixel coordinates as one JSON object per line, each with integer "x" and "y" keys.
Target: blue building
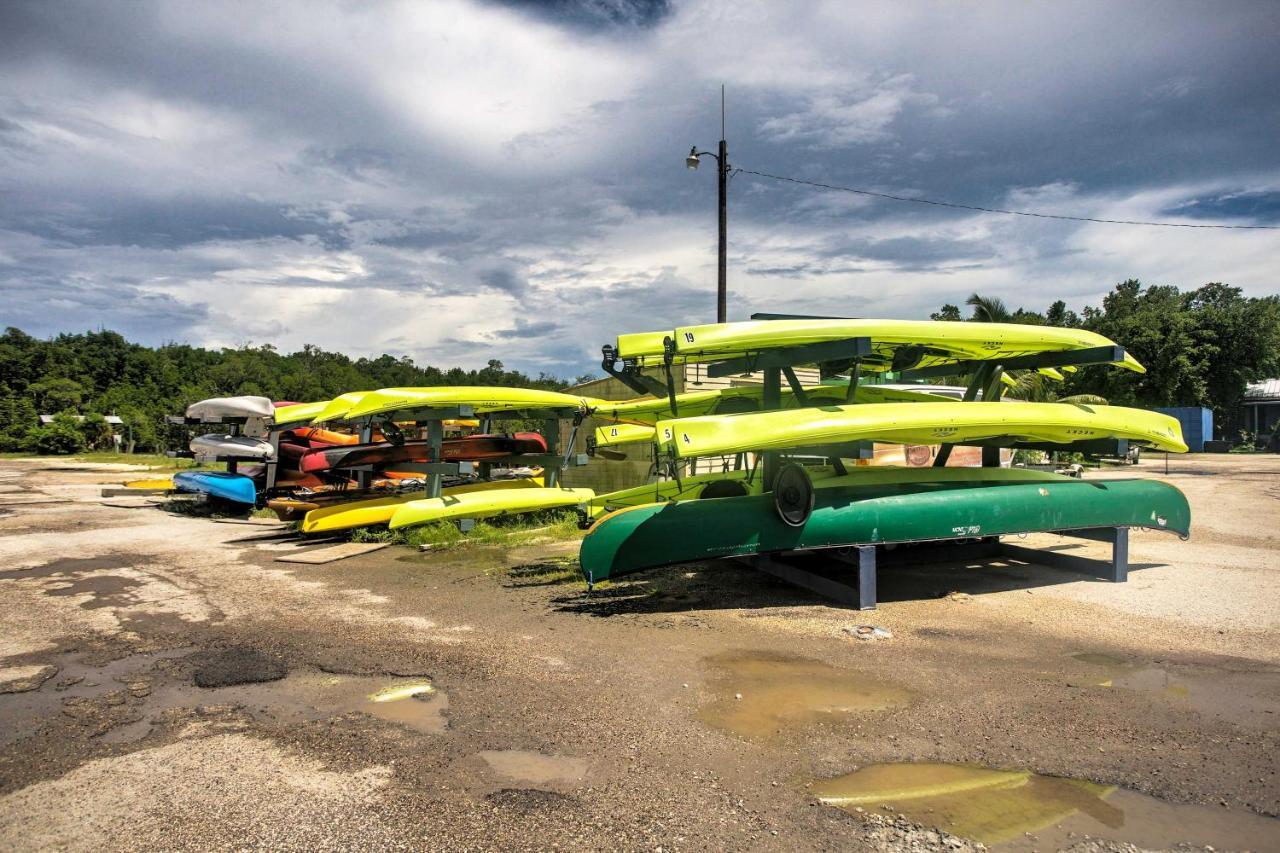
{"x": 1196, "y": 422}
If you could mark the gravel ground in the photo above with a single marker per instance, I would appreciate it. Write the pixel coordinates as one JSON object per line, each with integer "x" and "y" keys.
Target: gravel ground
{"x": 544, "y": 717}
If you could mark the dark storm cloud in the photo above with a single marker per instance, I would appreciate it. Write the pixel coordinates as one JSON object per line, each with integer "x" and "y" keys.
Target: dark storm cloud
{"x": 168, "y": 223}
{"x": 595, "y": 14}
{"x": 1257, "y": 206}
{"x": 158, "y": 148}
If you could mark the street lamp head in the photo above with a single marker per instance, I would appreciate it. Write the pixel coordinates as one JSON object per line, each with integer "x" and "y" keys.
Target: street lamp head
{"x": 692, "y": 160}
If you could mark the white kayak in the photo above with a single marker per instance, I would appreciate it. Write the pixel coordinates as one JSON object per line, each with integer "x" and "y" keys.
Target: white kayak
{"x": 213, "y": 446}
{"x": 217, "y": 408}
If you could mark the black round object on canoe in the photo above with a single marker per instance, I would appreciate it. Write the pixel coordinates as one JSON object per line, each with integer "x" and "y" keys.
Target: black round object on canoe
{"x": 723, "y": 489}
{"x": 793, "y": 495}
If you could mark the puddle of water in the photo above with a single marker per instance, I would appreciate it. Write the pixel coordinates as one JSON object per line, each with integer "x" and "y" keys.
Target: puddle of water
{"x": 1244, "y": 698}
{"x": 306, "y": 697}
{"x": 1020, "y": 810}
{"x": 21, "y": 714}
{"x": 140, "y": 681}
{"x": 760, "y": 694}
{"x": 535, "y": 768}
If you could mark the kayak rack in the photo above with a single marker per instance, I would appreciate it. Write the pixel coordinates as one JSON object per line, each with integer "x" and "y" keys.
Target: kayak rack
{"x": 986, "y": 378}
{"x": 235, "y": 427}
{"x": 552, "y": 462}
{"x": 858, "y": 588}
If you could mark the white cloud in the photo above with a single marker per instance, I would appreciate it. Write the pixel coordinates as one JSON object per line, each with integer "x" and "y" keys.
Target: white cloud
{"x": 448, "y": 179}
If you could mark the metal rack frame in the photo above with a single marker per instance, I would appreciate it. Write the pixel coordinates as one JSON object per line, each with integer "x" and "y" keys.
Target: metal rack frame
{"x": 986, "y": 379}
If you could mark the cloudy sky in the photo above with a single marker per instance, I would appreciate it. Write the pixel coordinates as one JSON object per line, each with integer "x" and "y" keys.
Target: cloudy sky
{"x": 459, "y": 180}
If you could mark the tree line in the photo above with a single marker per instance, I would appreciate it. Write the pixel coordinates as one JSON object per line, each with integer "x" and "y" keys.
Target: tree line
{"x": 1201, "y": 347}
{"x": 81, "y": 377}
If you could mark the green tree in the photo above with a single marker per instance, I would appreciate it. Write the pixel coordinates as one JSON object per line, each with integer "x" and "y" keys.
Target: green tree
{"x": 988, "y": 309}
{"x": 56, "y": 394}
{"x": 96, "y": 431}
{"x": 61, "y": 436}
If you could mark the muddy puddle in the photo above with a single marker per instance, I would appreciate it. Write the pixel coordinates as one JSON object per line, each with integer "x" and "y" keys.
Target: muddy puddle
{"x": 21, "y": 714}
{"x": 1020, "y": 810}
{"x": 151, "y": 688}
{"x": 535, "y": 768}
{"x": 305, "y": 697}
{"x": 1247, "y": 698}
{"x": 761, "y": 695}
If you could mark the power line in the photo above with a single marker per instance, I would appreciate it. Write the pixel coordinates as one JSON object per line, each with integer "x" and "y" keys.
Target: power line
{"x": 999, "y": 210}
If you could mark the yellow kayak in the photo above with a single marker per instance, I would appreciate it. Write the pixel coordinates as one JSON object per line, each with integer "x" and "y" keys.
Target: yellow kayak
{"x": 624, "y": 434}
{"x": 737, "y": 483}
{"x": 650, "y": 410}
{"x": 482, "y": 399}
{"x": 159, "y": 483}
{"x": 486, "y": 505}
{"x": 337, "y": 408}
{"x": 371, "y": 511}
{"x": 921, "y": 343}
{"x": 909, "y": 423}
{"x": 299, "y": 414}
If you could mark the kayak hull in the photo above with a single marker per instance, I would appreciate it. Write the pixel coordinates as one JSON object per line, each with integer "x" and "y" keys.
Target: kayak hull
{"x": 236, "y": 488}
{"x": 895, "y": 344}
{"x": 913, "y": 423}
{"x": 474, "y": 447}
{"x": 215, "y": 446}
{"x": 486, "y": 505}
{"x": 482, "y": 399}
{"x": 823, "y": 477}
{"x": 379, "y": 510}
{"x": 217, "y": 408}
{"x": 890, "y": 512}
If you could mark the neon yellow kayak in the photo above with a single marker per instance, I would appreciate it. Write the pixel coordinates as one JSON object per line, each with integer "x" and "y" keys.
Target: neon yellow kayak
{"x": 486, "y": 505}
{"x": 624, "y": 434}
{"x": 650, "y": 410}
{"x": 482, "y": 399}
{"x": 299, "y": 414}
{"x": 922, "y": 343}
{"x": 699, "y": 486}
{"x": 337, "y": 408}
{"x": 371, "y": 511}
{"x": 909, "y": 423}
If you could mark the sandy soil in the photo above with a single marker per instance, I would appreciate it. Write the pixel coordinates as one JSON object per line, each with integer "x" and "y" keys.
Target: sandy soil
{"x": 688, "y": 708}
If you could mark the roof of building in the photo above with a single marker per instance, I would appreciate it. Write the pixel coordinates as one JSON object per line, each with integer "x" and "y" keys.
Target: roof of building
{"x": 1267, "y": 389}
{"x": 114, "y": 420}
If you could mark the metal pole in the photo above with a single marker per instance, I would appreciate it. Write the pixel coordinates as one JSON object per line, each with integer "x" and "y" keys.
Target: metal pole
{"x": 722, "y": 292}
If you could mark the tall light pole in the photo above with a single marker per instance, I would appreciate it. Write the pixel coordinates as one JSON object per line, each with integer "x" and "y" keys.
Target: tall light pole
{"x": 722, "y": 169}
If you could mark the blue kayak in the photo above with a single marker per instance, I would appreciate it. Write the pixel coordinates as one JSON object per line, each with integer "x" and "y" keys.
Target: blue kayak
{"x": 236, "y": 488}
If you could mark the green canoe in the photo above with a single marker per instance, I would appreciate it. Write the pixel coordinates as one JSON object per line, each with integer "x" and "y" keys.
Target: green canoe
{"x": 660, "y": 534}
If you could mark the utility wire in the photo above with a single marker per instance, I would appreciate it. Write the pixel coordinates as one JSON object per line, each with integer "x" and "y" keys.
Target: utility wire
{"x": 999, "y": 210}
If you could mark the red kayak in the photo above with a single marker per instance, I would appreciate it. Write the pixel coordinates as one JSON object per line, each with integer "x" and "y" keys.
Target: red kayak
{"x": 468, "y": 448}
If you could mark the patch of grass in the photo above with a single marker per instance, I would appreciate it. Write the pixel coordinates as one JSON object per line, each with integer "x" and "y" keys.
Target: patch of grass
{"x": 154, "y": 462}
{"x": 263, "y": 512}
{"x": 508, "y": 532}
{"x": 378, "y": 534}
{"x": 203, "y": 509}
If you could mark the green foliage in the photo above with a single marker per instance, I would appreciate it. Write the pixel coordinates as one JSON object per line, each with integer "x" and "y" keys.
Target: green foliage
{"x": 61, "y": 436}
{"x": 947, "y": 312}
{"x": 1200, "y": 347}
{"x": 988, "y": 309}
{"x": 96, "y": 432}
{"x": 102, "y": 372}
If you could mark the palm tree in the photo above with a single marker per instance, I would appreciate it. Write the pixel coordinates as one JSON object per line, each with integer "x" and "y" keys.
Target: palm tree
{"x": 988, "y": 309}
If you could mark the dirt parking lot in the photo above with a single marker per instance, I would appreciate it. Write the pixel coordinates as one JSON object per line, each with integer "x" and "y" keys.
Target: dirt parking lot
{"x": 167, "y": 683}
